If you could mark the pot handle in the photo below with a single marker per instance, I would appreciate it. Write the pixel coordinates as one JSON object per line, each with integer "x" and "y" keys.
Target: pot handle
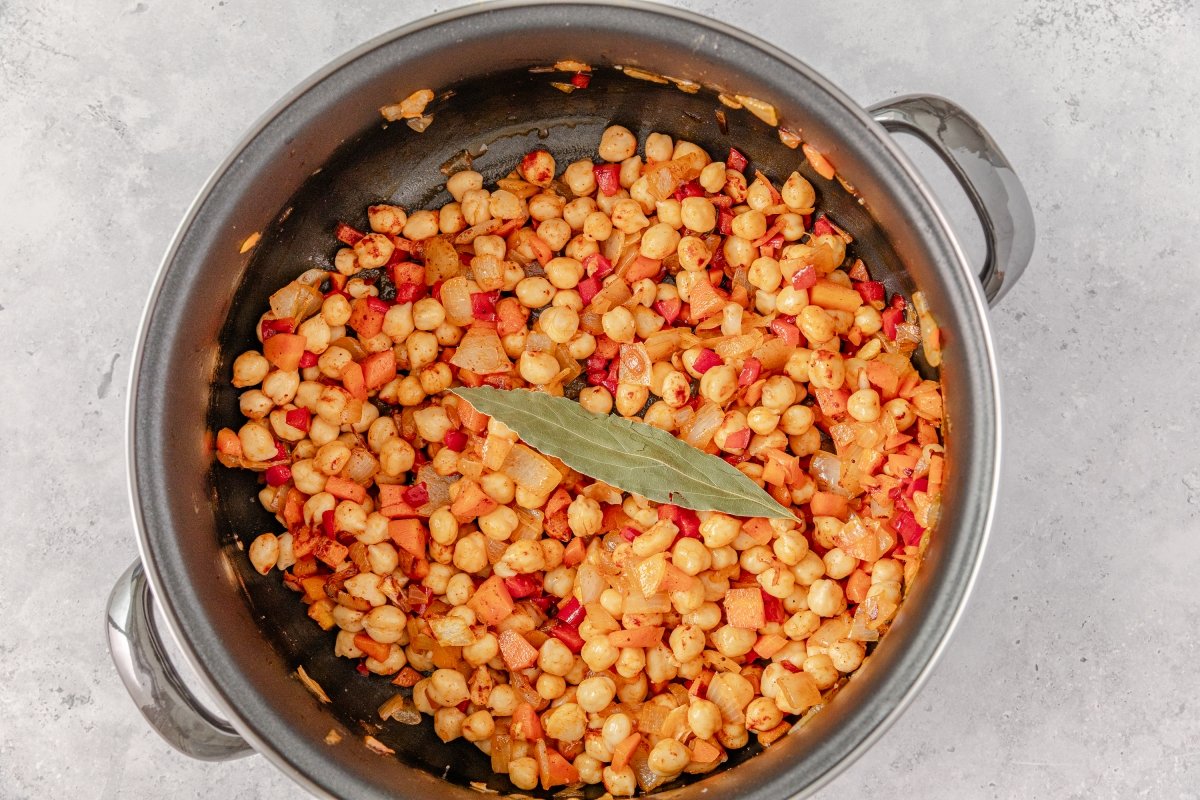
{"x": 167, "y": 704}
{"x": 985, "y": 175}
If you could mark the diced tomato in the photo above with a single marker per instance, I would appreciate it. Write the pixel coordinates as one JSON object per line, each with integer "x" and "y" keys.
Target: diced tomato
{"x": 347, "y": 234}
{"x": 580, "y": 80}
{"x": 278, "y": 475}
{"x": 483, "y": 305}
{"x": 377, "y": 305}
{"x": 598, "y": 265}
{"x": 891, "y": 318}
{"x": 706, "y": 361}
{"x": 455, "y": 440}
{"x": 787, "y": 331}
{"x": 417, "y": 494}
{"x": 608, "y": 178}
{"x": 736, "y": 161}
{"x": 751, "y": 369}
{"x": 669, "y": 309}
{"x": 773, "y": 608}
{"x": 299, "y": 418}
{"x": 822, "y": 226}
{"x": 588, "y": 288}
{"x": 805, "y": 277}
{"x": 567, "y": 634}
{"x": 724, "y": 223}
{"x": 409, "y": 292}
{"x": 522, "y": 586}
{"x": 870, "y": 291}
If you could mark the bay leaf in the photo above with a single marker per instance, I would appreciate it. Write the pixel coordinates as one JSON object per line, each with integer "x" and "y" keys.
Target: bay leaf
{"x": 631, "y": 456}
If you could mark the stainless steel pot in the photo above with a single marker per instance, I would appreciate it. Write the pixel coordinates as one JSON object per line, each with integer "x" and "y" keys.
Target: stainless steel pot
{"x": 321, "y": 156}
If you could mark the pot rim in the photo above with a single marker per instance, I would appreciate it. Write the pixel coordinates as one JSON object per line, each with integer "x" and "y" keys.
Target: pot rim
{"x": 884, "y": 140}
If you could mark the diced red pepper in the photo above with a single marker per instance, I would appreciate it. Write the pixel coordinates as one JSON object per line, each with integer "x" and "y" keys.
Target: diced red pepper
{"x": 416, "y": 495}
{"x": 899, "y": 302}
{"x": 281, "y": 453}
{"x": 724, "y": 222}
{"x": 773, "y": 608}
{"x": 580, "y": 80}
{"x": 690, "y": 189}
{"x": 347, "y": 235}
{"x": 572, "y": 612}
{"x": 278, "y": 475}
{"x": 891, "y": 318}
{"x": 629, "y": 533}
{"x": 409, "y": 292}
{"x": 328, "y": 526}
{"x": 706, "y": 361}
{"x": 483, "y": 305}
{"x": 522, "y": 586}
{"x": 588, "y": 288}
{"x": 822, "y": 227}
{"x": 669, "y": 309}
{"x": 736, "y": 161}
{"x": 608, "y": 178}
{"x": 545, "y": 602}
{"x": 597, "y": 265}
{"x": 685, "y": 519}
{"x": 377, "y": 305}
{"x": 308, "y": 359}
{"x": 751, "y": 369}
{"x": 738, "y": 440}
{"x": 789, "y": 666}
{"x": 805, "y": 277}
{"x": 568, "y": 635}
{"x": 270, "y": 327}
{"x": 787, "y": 331}
{"x": 905, "y": 524}
{"x": 436, "y": 290}
{"x": 299, "y": 418}
{"x": 916, "y": 485}
{"x": 870, "y": 291}
{"x": 455, "y": 440}
{"x": 595, "y": 362}
{"x": 361, "y": 668}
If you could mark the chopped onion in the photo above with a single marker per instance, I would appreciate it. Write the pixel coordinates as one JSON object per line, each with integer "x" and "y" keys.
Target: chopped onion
{"x": 362, "y": 466}
{"x": 647, "y": 779}
{"x": 613, "y": 245}
{"x": 456, "y": 297}
{"x": 634, "y": 365}
{"x": 437, "y": 486}
{"x": 297, "y": 300}
{"x": 452, "y": 631}
{"x": 703, "y": 426}
{"x": 827, "y": 469}
{"x": 730, "y": 696}
{"x": 531, "y": 470}
{"x": 590, "y": 583}
{"x": 441, "y": 260}
{"x": 481, "y": 351}
{"x": 313, "y": 277}
{"x": 735, "y": 347}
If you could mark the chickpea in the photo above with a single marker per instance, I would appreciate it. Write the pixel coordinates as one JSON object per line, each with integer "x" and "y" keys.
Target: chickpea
{"x": 659, "y": 241}
{"x": 524, "y": 556}
{"x": 790, "y": 547}
{"x": 470, "y": 552}
{"x": 732, "y": 642}
{"x": 887, "y": 570}
{"x": 373, "y": 250}
{"x": 762, "y": 714}
{"x": 778, "y": 393}
{"x": 719, "y": 530}
{"x": 555, "y": 233}
{"x": 538, "y": 368}
{"x": 250, "y": 368}
{"x": 551, "y": 687}
{"x": 839, "y": 564}
{"x": 796, "y": 420}
{"x": 816, "y": 324}
{"x": 599, "y": 654}
{"x": 617, "y": 143}
{"x": 698, "y": 214}
{"x": 738, "y": 251}
{"x": 559, "y": 323}
{"x": 576, "y": 212}
{"x": 499, "y": 523}
{"x": 534, "y": 292}
{"x": 584, "y": 516}
{"x": 631, "y": 399}
{"x": 693, "y": 254}
{"x": 749, "y": 225}
{"x": 556, "y": 658}
{"x": 821, "y": 669}
{"x": 719, "y": 384}
{"x": 462, "y": 182}
{"x": 669, "y": 757}
{"x": 596, "y": 399}
{"x": 620, "y": 782}
{"x": 396, "y": 457}
{"x": 627, "y": 216}
{"x": 704, "y": 718}
{"x": 826, "y": 598}
{"x": 901, "y": 412}
{"x": 659, "y": 147}
{"x": 579, "y": 178}
{"x": 421, "y": 225}
{"x": 254, "y": 404}
{"x": 398, "y": 322}
{"x": 523, "y": 772}
{"x": 427, "y": 314}
{"x": 336, "y": 310}
{"x": 618, "y": 325}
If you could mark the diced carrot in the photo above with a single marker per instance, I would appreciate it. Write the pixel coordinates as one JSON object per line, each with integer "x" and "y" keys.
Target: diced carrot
{"x": 510, "y": 316}
{"x": 758, "y": 529}
{"x": 926, "y": 433}
{"x": 769, "y": 644}
{"x": 558, "y": 502}
{"x": 636, "y": 637}
{"x": 314, "y": 588}
{"x": 471, "y": 502}
{"x": 293, "y": 509}
{"x": 704, "y": 751}
{"x": 705, "y": 301}
{"x": 407, "y": 677}
{"x": 768, "y": 738}
{"x": 857, "y": 585}
{"x": 284, "y": 350}
{"x": 366, "y": 320}
{"x": 642, "y": 267}
{"x": 884, "y": 377}
{"x": 937, "y": 467}
{"x": 491, "y": 602}
{"x": 559, "y": 771}
{"x": 575, "y": 553}
{"x": 379, "y": 368}
{"x": 517, "y": 652}
{"x": 827, "y": 294}
{"x": 321, "y": 612}
{"x": 228, "y": 442}
{"x": 625, "y": 749}
{"x": 676, "y": 580}
{"x": 614, "y": 518}
{"x": 525, "y": 723}
{"x": 399, "y": 510}
{"x": 896, "y": 440}
{"x": 901, "y": 465}
{"x": 744, "y": 608}
{"x": 472, "y": 420}
{"x": 832, "y": 401}
{"x": 828, "y": 504}
{"x": 329, "y": 551}
{"x": 345, "y": 489}
{"x": 409, "y": 535}
{"x": 372, "y": 648}
{"x": 781, "y": 469}
{"x": 352, "y": 379}
{"x": 908, "y": 383}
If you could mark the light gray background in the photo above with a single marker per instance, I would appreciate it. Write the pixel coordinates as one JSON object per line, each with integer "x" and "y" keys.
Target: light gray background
{"x": 1073, "y": 671}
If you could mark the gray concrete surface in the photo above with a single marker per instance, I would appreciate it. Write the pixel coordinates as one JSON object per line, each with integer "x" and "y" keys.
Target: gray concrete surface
{"x": 1073, "y": 672}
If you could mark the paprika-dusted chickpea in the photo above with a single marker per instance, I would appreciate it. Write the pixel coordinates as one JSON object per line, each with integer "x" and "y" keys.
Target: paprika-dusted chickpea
{"x": 345, "y": 262}
{"x": 576, "y": 212}
{"x": 676, "y": 389}
{"x": 826, "y": 370}
{"x": 816, "y": 324}
{"x": 738, "y": 251}
{"x": 618, "y": 325}
{"x": 596, "y": 399}
{"x": 555, "y": 233}
{"x": 796, "y": 419}
{"x": 534, "y": 292}
{"x": 499, "y": 524}
{"x": 670, "y": 212}
{"x": 470, "y": 552}
{"x": 250, "y": 368}
{"x": 523, "y": 556}
{"x": 759, "y": 195}
{"x": 579, "y": 178}
{"x": 693, "y": 254}
{"x": 584, "y": 516}
{"x": 863, "y": 405}
{"x": 698, "y": 214}
{"x": 764, "y": 274}
{"x": 443, "y": 526}
{"x": 451, "y": 219}
{"x": 798, "y": 194}
{"x": 538, "y": 368}
{"x": 732, "y": 642}
{"x": 373, "y": 250}
{"x": 718, "y": 384}
{"x": 597, "y": 226}
{"x": 254, "y": 404}
{"x": 627, "y": 216}
{"x": 427, "y": 314}
{"x": 762, "y": 714}
{"x": 901, "y": 412}
{"x": 421, "y": 225}
{"x": 749, "y": 225}
{"x": 551, "y": 687}
{"x": 762, "y": 420}
{"x": 580, "y": 247}
{"x": 396, "y": 457}
{"x": 669, "y": 757}
{"x": 887, "y": 570}
{"x": 719, "y": 530}
{"x": 659, "y": 241}
{"x": 264, "y": 552}
{"x": 826, "y": 598}
{"x": 398, "y": 322}
{"x": 659, "y": 147}
{"x": 617, "y": 143}
{"x": 846, "y": 655}
{"x": 631, "y": 399}
{"x": 564, "y": 273}
{"x": 712, "y": 177}
{"x": 809, "y": 570}
{"x": 821, "y": 669}
{"x": 461, "y": 182}
{"x": 791, "y": 300}
{"x": 599, "y": 654}
{"x": 422, "y": 348}
{"x": 336, "y": 310}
